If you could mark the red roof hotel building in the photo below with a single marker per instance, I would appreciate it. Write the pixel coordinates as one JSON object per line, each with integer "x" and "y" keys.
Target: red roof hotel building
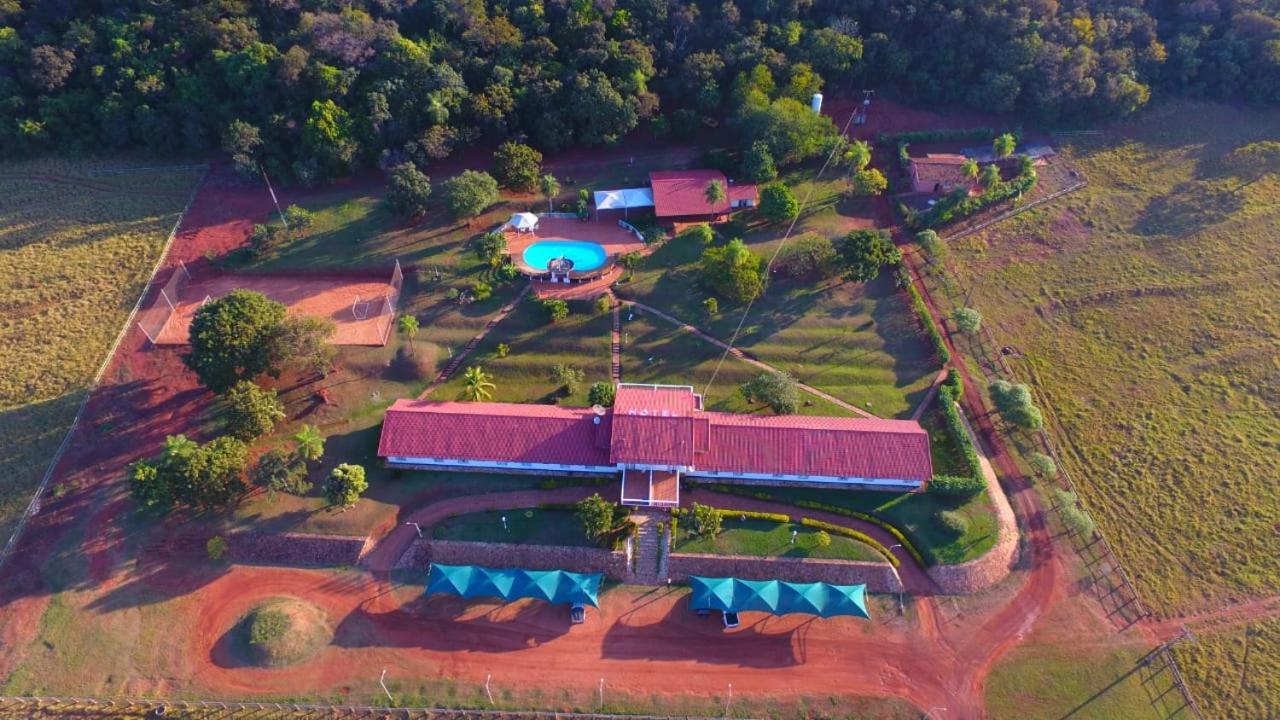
{"x": 652, "y": 436}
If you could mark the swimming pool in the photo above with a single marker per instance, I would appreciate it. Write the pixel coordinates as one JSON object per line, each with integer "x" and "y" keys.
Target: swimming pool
{"x": 583, "y": 255}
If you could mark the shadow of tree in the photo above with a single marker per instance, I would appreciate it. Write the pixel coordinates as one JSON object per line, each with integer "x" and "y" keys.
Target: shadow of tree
{"x": 1188, "y": 208}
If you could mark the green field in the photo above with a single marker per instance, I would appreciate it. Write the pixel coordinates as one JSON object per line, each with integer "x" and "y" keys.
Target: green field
{"x": 1145, "y": 306}
{"x": 1052, "y": 682}
{"x": 76, "y": 251}
{"x": 772, "y": 539}
{"x": 524, "y": 526}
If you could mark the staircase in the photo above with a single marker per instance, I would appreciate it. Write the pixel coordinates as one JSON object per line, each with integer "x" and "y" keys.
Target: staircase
{"x": 648, "y": 543}
{"x": 616, "y": 339}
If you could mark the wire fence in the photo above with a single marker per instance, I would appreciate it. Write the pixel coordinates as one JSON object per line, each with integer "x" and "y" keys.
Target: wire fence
{"x": 155, "y": 317}
{"x": 1108, "y": 579}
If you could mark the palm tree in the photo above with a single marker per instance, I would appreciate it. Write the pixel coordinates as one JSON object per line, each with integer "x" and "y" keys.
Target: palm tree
{"x": 310, "y": 443}
{"x": 714, "y": 193}
{"x": 550, "y": 189}
{"x": 970, "y": 169}
{"x": 479, "y": 384}
{"x": 408, "y": 327}
{"x": 990, "y": 176}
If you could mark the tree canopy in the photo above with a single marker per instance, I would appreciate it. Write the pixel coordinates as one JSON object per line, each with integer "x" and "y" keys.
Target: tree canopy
{"x": 863, "y": 252}
{"x": 408, "y": 190}
{"x": 191, "y": 475}
{"x": 733, "y": 271}
{"x": 470, "y": 192}
{"x": 235, "y": 338}
{"x": 775, "y": 389}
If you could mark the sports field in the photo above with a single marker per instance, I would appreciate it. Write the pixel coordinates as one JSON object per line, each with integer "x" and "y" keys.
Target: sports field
{"x": 1145, "y": 307}
{"x": 78, "y": 240}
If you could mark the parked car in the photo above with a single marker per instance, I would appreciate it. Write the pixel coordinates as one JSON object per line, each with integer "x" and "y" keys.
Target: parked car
{"x": 577, "y": 613}
{"x": 731, "y": 620}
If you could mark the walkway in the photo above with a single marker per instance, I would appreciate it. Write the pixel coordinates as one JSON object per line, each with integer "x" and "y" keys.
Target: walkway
{"x": 742, "y": 355}
{"x": 928, "y": 397}
{"x": 589, "y": 290}
{"x": 448, "y": 370}
{"x": 615, "y": 339}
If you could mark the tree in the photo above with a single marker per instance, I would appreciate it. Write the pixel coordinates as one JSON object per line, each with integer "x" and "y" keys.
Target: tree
{"x": 567, "y": 378}
{"x": 596, "y": 515}
{"x": 1004, "y": 145}
{"x": 706, "y": 520}
{"x": 602, "y": 394}
{"x": 778, "y": 203}
{"x": 1255, "y": 160}
{"x": 203, "y": 476}
{"x": 242, "y": 141}
{"x": 407, "y": 326}
{"x": 550, "y": 188}
{"x": 1013, "y": 401}
{"x": 701, "y": 234}
{"x": 345, "y": 485}
{"x": 469, "y": 193}
{"x": 328, "y": 137}
{"x": 967, "y": 319}
{"x": 733, "y": 271}
{"x": 309, "y": 443}
{"x": 712, "y": 306}
{"x": 298, "y": 218}
{"x": 714, "y": 192}
{"x": 603, "y": 304}
{"x": 863, "y": 252}
{"x": 869, "y": 182}
{"x": 234, "y": 338}
{"x": 251, "y": 411}
{"x": 50, "y": 67}
{"x": 517, "y": 166}
{"x": 775, "y": 389}
{"x": 491, "y": 247}
{"x": 990, "y": 176}
{"x": 807, "y": 257}
{"x": 554, "y": 309}
{"x": 408, "y": 190}
{"x": 791, "y": 131}
{"x": 478, "y": 385}
{"x": 149, "y": 489}
{"x": 278, "y": 470}
{"x": 857, "y": 156}
{"x": 757, "y": 163}
{"x": 215, "y": 547}
{"x": 970, "y": 169}
{"x": 1043, "y": 465}
{"x": 303, "y": 341}
{"x": 932, "y": 245}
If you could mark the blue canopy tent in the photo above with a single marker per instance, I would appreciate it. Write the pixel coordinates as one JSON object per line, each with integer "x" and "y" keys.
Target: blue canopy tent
{"x": 778, "y": 597}
{"x": 553, "y": 586}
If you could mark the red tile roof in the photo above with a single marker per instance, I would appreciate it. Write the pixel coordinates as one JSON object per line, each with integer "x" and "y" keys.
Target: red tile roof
{"x": 744, "y": 191}
{"x": 683, "y": 192}
{"x": 636, "y": 431}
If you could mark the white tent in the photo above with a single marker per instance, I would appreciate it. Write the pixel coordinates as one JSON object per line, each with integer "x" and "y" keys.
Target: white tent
{"x": 524, "y": 222}
{"x": 623, "y": 199}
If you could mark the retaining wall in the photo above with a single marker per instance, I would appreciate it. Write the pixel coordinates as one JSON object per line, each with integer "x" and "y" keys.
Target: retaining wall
{"x": 294, "y": 549}
{"x": 535, "y": 557}
{"x": 878, "y": 577}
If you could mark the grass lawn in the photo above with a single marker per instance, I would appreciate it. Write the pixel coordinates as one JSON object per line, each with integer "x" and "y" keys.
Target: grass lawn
{"x": 1145, "y": 305}
{"x": 857, "y": 342}
{"x": 1235, "y": 672}
{"x": 526, "y": 526}
{"x": 73, "y": 260}
{"x": 771, "y": 539}
{"x": 1052, "y": 682}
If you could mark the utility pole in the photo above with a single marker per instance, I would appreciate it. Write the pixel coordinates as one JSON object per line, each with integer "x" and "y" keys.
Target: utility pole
{"x": 273, "y": 198}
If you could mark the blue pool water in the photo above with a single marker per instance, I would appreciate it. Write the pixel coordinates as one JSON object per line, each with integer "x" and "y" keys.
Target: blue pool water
{"x": 584, "y": 255}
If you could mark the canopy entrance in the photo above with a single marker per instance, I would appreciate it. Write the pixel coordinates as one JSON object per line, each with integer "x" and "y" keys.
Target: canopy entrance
{"x": 778, "y": 597}
{"x": 553, "y": 586}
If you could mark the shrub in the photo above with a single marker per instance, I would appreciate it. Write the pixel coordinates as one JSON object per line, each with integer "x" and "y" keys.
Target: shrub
{"x": 757, "y": 163}
{"x": 491, "y": 247}
{"x": 850, "y": 533}
{"x": 930, "y": 327}
{"x": 517, "y": 166}
{"x": 956, "y": 486}
{"x": 952, "y": 523}
{"x": 408, "y": 190}
{"x": 822, "y": 539}
{"x": 1043, "y": 465}
{"x": 603, "y": 304}
{"x": 602, "y": 394}
{"x": 502, "y": 350}
{"x": 775, "y": 389}
{"x": 554, "y": 309}
{"x": 1013, "y": 401}
{"x": 700, "y": 233}
{"x": 711, "y": 306}
{"x": 1004, "y": 145}
{"x": 706, "y": 520}
{"x": 1074, "y": 516}
{"x": 470, "y": 192}
{"x": 298, "y": 218}
{"x": 278, "y": 470}
{"x": 251, "y": 412}
{"x": 268, "y": 626}
{"x": 932, "y": 245}
{"x": 778, "y": 203}
{"x": 345, "y": 485}
{"x": 967, "y": 319}
{"x": 481, "y": 291}
{"x": 567, "y": 378}
{"x": 893, "y": 530}
{"x": 869, "y": 182}
{"x": 216, "y": 547}
{"x": 596, "y": 515}
{"x": 808, "y": 257}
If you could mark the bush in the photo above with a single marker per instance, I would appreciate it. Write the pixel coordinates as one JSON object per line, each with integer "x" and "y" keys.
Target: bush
{"x": 967, "y": 319}
{"x": 268, "y": 626}
{"x": 893, "y": 530}
{"x": 567, "y": 378}
{"x": 778, "y": 203}
{"x": 956, "y": 486}
{"x": 711, "y": 306}
{"x": 278, "y": 470}
{"x": 863, "y": 253}
{"x": 850, "y": 533}
{"x": 216, "y": 547}
{"x": 602, "y": 394}
{"x": 808, "y": 257}
{"x": 775, "y": 389}
{"x": 345, "y": 485}
{"x": 869, "y": 182}
{"x": 408, "y": 190}
{"x": 952, "y": 523}
{"x": 932, "y": 245}
{"x": 732, "y": 514}
{"x": 706, "y": 520}
{"x": 930, "y": 327}
{"x": 732, "y": 271}
{"x": 700, "y": 233}
{"x": 1074, "y": 516}
{"x": 554, "y": 309}
{"x": 251, "y": 412}
{"x": 1043, "y": 465}
{"x": 469, "y": 193}
{"x": 517, "y": 166}
{"x": 1013, "y": 401}
{"x": 822, "y": 539}
{"x": 298, "y": 218}
{"x": 596, "y": 515}
{"x": 757, "y": 163}
{"x": 481, "y": 291}
{"x": 603, "y": 304}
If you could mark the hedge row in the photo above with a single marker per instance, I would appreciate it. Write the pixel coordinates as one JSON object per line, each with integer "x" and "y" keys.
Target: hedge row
{"x": 946, "y": 135}
{"x": 955, "y": 206}
{"x": 891, "y": 529}
{"x": 948, "y": 396}
{"x": 930, "y": 327}
{"x": 753, "y": 515}
{"x": 860, "y": 537}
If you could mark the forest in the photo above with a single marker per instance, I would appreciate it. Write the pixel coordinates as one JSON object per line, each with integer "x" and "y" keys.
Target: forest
{"x": 313, "y": 89}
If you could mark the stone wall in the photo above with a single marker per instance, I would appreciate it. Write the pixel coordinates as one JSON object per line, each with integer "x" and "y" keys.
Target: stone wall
{"x": 294, "y": 549}
{"x": 878, "y": 577}
{"x": 535, "y": 557}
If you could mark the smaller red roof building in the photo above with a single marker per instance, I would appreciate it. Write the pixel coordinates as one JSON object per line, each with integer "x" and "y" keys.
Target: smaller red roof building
{"x": 680, "y": 195}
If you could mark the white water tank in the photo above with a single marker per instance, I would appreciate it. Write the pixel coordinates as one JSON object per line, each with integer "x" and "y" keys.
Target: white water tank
{"x": 816, "y": 102}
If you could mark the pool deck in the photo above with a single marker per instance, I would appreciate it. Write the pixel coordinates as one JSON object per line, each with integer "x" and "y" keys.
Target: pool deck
{"x": 606, "y": 233}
